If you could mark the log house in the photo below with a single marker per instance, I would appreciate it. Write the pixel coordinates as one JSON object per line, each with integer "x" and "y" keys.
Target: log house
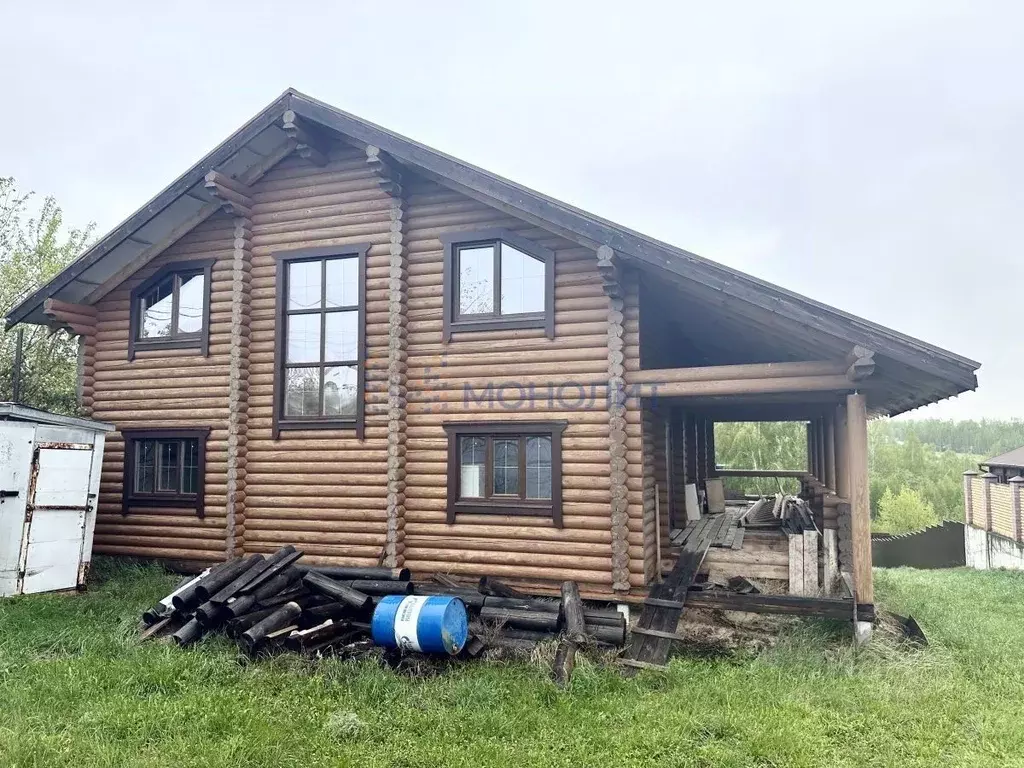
{"x": 329, "y": 335}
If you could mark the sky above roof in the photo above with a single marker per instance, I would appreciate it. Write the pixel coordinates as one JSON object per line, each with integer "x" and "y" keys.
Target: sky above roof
{"x": 869, "y": 158}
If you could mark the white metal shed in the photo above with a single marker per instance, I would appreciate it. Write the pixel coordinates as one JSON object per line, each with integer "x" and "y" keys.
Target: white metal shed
{"x": 49, "y": 479}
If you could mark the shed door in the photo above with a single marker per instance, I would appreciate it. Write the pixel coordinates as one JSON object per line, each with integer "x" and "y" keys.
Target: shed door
{"x": 15, "y": 462}
{"x": 59, "y": 505}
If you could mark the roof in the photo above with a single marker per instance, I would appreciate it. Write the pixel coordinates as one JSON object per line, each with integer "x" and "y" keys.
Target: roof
{"x": 17, "y": 412}
{"x": 918, "y": 372}
{"x": 1014, "y": 458}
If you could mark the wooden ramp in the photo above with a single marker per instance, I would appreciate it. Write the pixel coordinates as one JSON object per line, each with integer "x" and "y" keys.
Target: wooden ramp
{"x": 655, "y": 631}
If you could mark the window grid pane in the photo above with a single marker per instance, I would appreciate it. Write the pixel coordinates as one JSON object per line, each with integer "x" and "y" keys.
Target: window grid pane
{"x": 302, "y": 392}
{"x": 538, "y": 467}
{"x": 522, "y": 282}
{"x": 157, "y": 307}
{"x": 303, "y": 344}
{"x": 473, "y": 467}
{"x": 506, "y": 467}
{"x": 145, "y": 466}
{"x": 476, "y": 280}
{"x": 304, "y": 287}
{"x": 168, "y": 466}
{"x": 190, "y": 468}
{"x": 191, "y": 297}
{"x": 341, "y": 387}
{"x": 342, "y": 282}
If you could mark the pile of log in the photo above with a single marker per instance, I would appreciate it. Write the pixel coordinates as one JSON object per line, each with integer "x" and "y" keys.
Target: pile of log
{"x": 790, "y": 513}
{"x": 270, "y": 604}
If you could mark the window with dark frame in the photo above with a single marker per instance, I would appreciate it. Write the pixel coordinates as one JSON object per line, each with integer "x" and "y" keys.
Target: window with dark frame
{"x": 164, "y": 468}
{"x": 496, "y": 279}
{"x": 320, "y": 345}
{"x": 505, "y": 469}
{"x": 171, "y": 310}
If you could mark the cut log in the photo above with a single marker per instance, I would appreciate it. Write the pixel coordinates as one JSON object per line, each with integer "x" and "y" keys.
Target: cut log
{"x": 572, "y": 614}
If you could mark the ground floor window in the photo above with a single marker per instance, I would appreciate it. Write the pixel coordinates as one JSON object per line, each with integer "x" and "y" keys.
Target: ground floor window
{"x": 506, "y": 469}
{"x": 164, "y": 468}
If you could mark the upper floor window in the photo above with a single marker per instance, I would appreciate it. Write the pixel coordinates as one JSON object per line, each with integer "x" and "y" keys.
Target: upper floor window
{"x": 171, "y": 310}
{"x": 496, "y": 279}
{"x": 164, "y": 467}
{"x": 320, "y": 354}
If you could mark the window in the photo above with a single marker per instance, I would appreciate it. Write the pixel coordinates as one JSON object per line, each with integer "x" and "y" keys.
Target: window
{"x": 171, "y": 310}
{"x": 319, "y": 349}
{"x": 505, "y": 469}
{"x": 164, "y": 468}
{"x": 496, "y": 279}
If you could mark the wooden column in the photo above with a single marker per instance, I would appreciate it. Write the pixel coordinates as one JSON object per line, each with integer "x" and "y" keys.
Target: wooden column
{"x": 820, "y": 444}
{"x": 608, "y": 266}
{"x": 690, "y": 441}
{"x": 238, "y": 385}
{"x": 389, "y": 178}
{"x": 709, "y": 426}
{"x": 860, "y": 498}
{"x": 830, "y": 452}
{"x": 649, "y": 492}
{"x": 812, "y": 449}
{"x": 842, "y": 450}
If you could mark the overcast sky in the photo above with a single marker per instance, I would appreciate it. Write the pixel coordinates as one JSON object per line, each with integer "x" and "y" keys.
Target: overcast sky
{"x": 871, "y": 158}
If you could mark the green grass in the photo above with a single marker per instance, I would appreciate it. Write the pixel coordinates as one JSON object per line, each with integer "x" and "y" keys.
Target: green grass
{"x": 76, "y": 688}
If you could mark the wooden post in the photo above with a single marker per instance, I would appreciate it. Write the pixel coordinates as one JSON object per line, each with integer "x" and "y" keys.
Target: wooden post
{"x": 830, "y": 452}
{"x": 1015, "y": 484}
{"x": 969, "y": 476}
{"x": 842, "y": 454}
{"x": 690, "y": 441}
{"x": 796, "y": 564}
{"x": 860, "y": 496}
{"x": 810, "y": 542}
{"x": 830, "y": 565}
{"x": 821, "y": 449}
{"x": 811, "y": 453}
{"x": 709, "y": 427}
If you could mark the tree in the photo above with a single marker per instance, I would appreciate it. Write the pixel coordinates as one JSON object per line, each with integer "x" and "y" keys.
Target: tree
{"x": 32, "y": 251}
{"x": 904, "y": 512}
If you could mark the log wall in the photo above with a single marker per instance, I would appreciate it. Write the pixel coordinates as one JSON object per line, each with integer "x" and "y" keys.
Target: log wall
{"x": 485, "y": 376}
{"x": 328, "y": 492}
{"x": 324, "y": 491}
{"x": 171, "y": 388}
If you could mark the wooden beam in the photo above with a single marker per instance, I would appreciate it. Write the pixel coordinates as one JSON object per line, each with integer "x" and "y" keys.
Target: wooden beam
{"x": 861, "y": 363}
{"x": 860, "y": 500}
{"x": 783, "y": 473}
{"x": 738, "y": 372}
{"x": 235, "y": 197}
{"x": 827, "y": 383}
{"x": 309, "y": 145}
{"x": 387, "y": 171}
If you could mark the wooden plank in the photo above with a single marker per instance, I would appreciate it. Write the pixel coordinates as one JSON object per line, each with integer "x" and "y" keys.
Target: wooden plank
{"x": 796, "y": 564}
{"x": 810, "y": 562}
{"x": 737, "y": 543}
{"x": 797, "y": 605}
{"x": 627, "y": 662}
{"x": 830, "y": 565}
{"x": 659, "y": 633}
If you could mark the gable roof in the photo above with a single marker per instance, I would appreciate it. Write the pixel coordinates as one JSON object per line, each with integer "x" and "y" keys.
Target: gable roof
{"x": 924, "y": 373}
{"x": 1014, "y": 459}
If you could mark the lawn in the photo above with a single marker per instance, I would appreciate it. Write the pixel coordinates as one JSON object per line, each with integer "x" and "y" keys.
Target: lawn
{"x": 76, "y": 688}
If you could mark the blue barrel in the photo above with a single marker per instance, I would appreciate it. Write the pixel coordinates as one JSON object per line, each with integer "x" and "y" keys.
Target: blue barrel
{"x": 427, "y": 623}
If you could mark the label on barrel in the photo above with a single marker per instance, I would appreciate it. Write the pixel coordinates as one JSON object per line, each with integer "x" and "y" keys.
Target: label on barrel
{"x": 405, "y": 622}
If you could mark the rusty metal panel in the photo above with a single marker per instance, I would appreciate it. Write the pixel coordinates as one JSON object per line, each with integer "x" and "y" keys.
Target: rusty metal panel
{"x": 15, "y": 464}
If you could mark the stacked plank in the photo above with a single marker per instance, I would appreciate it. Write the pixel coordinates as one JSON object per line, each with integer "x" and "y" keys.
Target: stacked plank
{"x": 270, "y": 603}
{"x": 790, "y": 513}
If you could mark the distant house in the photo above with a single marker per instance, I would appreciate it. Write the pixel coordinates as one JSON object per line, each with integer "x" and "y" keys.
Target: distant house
{"x": 992, "y": 510}
{"x": 1005, "y": 465}
{"x": 329, "y": 335}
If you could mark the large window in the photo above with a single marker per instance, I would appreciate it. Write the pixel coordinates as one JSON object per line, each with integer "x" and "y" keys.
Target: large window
{"x": 507, "y": 469}
{"x": 164, "y": 468}
{"x": 496, "y": 279}
{"x": 319, "y": 373}
{"x": 171, "y": 310}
